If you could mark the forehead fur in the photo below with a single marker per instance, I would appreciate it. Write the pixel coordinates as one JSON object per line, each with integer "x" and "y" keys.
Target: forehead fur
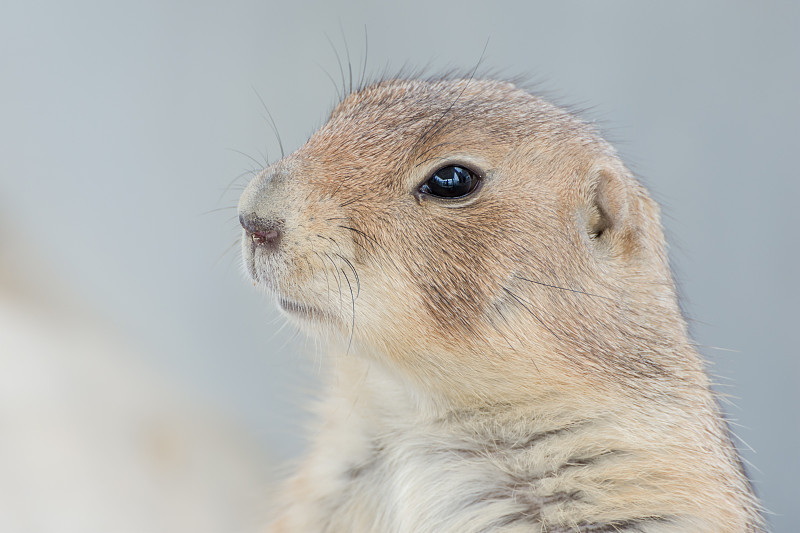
{"x": 403, "y": 120}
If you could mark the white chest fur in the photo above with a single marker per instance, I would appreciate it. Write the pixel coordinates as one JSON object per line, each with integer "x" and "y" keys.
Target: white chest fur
{"x": 384, "y": 463}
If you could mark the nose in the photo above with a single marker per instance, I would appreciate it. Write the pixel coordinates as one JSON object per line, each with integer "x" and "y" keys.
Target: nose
{"x": 263, "y": 232}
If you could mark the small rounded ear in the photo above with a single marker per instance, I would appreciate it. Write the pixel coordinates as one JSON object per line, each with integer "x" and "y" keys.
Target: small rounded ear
{"x": 609, "y": 203}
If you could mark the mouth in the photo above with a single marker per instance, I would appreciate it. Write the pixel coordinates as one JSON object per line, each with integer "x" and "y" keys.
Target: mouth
{"x": 301, "y": 310}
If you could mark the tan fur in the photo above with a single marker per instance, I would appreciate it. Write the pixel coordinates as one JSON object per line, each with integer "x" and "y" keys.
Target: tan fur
{"x": 516, "y": 361}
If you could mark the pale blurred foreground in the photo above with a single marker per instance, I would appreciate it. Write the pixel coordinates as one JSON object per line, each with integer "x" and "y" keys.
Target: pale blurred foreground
{"x": 92, "y": 440}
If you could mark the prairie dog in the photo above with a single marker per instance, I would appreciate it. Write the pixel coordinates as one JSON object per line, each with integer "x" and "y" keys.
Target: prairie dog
{"x": 506, "y": 348}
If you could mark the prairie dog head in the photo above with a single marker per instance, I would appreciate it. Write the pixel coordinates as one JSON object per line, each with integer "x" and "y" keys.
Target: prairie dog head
{"x": 466, "y": 232}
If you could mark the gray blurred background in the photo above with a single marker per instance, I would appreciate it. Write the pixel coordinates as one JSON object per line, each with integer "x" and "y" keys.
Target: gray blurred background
{"x": 121, "y": 125}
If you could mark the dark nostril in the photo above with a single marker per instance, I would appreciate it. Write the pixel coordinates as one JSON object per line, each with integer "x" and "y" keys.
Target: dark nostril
{"x": 262, "y": 231}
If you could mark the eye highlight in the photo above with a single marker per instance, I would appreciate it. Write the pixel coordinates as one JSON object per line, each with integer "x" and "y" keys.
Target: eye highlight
{"x": 451, "y": 182}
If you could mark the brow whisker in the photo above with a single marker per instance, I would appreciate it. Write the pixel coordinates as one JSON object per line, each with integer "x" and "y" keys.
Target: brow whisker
{"x": 339, "y": 61}
{"x": 430, "y": 131}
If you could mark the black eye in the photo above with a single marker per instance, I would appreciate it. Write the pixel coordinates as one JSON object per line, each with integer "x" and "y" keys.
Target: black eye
{"x": 451, "y": 182}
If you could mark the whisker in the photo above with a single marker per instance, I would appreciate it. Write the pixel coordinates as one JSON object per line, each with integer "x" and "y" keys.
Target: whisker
{"x": 500, "y": 312}
{"x": 265, "y": 156}
{"x": 226, "y": 252}
{"x": 248, "y": 156}
{"x": 352, "y": 200}
{"x": 359, "y": 232}
{"x": 358, "y": 282}
{"x": 531, "y": 312}
{"x": 363, "y": 79}
{"x": 353, "y": 302}
{"x": 327, "y": 280}
{"x": 430, "y": 130}
{"x": 252, "y": 172}
{"x": 368, "y": 252}
{"x": 564, "y": 288}
{"x": 338, "y": 279}
{"x": 339, "y": 61}
{"x": 204, "y": 213}
{"x": 434, "y": 147}
{"x": 339, "y": 95}
{"x": 310, "y": 266}
{"x": 272, "y": 123}
{"x": 372, "y": 242}
{"x": 341, "y": 182}
{"x": 346, "y": 261}
{"x": 347, "y": 52}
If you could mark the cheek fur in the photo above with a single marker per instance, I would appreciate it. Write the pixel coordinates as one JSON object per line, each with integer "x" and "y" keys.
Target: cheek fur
{"x": 456, "y": 271}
